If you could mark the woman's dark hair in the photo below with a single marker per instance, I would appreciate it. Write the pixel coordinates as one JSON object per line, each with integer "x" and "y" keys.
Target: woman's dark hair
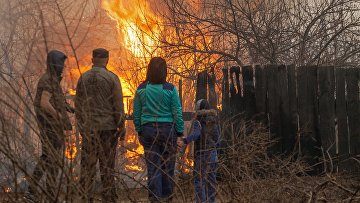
{"x": 156, "y": 71}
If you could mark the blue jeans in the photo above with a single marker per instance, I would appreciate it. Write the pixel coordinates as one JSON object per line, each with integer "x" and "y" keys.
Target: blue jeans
{"x": 159, "y": 141}
{"x": 205, "y": 176}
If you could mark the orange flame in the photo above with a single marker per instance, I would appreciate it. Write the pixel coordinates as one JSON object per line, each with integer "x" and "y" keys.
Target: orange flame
{"x": 70, "y": 152}
{"x": 7, "y": 189}
{"x": 139, "y": 32}
{"x": 188, "y": 163}
{"x": 142, "y": 30}
{"x": 72, "y": 92}
{"x": 133, "y": 152}
{"x": 139, "y": 29}
{"x": 134, "y": 167}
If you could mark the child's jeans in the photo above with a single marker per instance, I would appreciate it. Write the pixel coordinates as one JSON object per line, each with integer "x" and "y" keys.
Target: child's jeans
{"x": 205, "y": 176}
{"x": 159, "y": 141}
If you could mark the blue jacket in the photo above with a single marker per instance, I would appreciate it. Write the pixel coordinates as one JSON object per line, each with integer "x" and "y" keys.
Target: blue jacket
{"x": 205, "y": 131}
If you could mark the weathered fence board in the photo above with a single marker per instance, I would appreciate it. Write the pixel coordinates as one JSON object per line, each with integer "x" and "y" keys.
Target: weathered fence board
{"x": 260, "y": 90}
{"x": 201, "y": 86}
{"x": 341, "y": 118}
{"x": 284, "y": 108}
{"x": 249, "y": 92}
{"x": 235, "y": 90}
{"x": 307, "y": 89}
{"x": 327, "y": 114}
{"x": 352, "y": 80}
{"x": 225, "y": 91}
{"x": 274, "y": 107}
{"x": 307, "y": 109}
{"x": 212, "y": 92}
{"x": 293, "y": 117}
{"x": 236, "y": 71}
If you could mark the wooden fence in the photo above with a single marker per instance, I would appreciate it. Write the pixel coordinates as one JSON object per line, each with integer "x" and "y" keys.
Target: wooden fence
{"x": 312, "y": 111}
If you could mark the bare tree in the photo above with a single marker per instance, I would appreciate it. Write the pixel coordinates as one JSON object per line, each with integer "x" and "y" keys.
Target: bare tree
{"x": 249, "y": 31}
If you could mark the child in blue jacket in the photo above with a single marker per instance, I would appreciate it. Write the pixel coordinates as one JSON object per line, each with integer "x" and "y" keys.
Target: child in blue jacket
{"x": 205, "y": 132}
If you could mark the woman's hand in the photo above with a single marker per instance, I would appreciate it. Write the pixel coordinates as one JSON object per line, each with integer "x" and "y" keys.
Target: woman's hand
{"x": 180, "y": 142}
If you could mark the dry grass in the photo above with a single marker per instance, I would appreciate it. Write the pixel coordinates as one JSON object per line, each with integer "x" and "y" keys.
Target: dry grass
{"x": 246, "y": 172}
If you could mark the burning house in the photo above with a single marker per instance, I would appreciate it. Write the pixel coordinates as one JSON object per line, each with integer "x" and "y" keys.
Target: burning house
{"x": 139, "y": 33}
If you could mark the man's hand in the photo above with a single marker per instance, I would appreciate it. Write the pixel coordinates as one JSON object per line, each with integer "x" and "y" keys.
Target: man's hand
{"x": 46, "y": 105}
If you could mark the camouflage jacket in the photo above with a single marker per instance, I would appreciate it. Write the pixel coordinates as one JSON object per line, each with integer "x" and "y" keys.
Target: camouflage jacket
{"x": 99, "y": 101}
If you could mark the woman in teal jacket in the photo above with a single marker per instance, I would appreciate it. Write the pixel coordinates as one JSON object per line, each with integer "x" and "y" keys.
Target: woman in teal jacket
{"x": 159, "y": 123}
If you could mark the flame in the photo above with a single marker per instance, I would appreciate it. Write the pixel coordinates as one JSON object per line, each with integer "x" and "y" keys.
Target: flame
{"x": 134, "y": 168}
{"x": 70, "y": 152}
{"x": 133, "y": 152}
{"x": 139, "y": 32}
{"x": 72, "y": 92}
{"x": 138, "y": 27}
{"x": 142, "y": 30}
{"x": 188, "y": 163}
{"x": 7, "y": 189}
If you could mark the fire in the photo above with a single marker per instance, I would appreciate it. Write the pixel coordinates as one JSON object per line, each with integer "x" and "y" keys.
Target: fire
{"x": 72, "y": 92}
{"x": 134, "y": 153}
{"x": 143, "y": 32}
{"x": 134, "y": 167}
{"x": 134, "y": 150}
{"x": 189, "y": 163}
{"x": 70, "y": 152}
{"x": 139, "y": 28}
{"x": 139, "y": 32}
{"x": 7, "y": 189}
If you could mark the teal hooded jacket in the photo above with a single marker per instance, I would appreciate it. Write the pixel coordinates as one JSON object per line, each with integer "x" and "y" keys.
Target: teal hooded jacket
{"x": 157, "y": 103}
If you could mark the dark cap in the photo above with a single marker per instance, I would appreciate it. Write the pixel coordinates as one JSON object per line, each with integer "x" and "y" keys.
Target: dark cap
{"x": 100, "y": 53}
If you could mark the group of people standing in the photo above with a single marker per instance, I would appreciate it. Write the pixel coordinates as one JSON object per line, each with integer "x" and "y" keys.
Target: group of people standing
{"x": 100, "y": 118}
